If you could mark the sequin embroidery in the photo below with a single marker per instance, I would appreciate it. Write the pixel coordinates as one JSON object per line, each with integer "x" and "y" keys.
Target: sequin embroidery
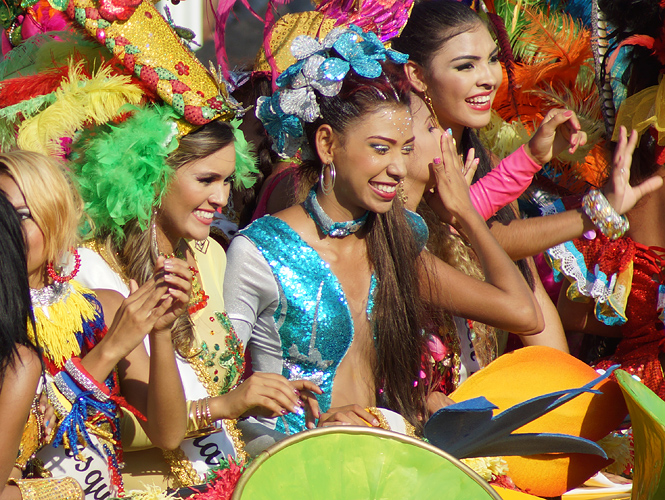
{"x": 313, "y": 318}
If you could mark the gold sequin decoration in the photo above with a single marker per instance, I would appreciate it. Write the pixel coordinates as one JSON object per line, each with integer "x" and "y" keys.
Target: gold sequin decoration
{"x": 383, "y": 422}
{"x": 32, "y": 436}
{"x": 181, "y": 470}
{"x": 160, "y": 47}
{"x": 65, "y": 488}
{"x": 288, "y": 27}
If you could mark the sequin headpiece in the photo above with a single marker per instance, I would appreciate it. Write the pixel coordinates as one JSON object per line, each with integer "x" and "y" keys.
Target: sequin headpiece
{"x": 321, "y": 66}
{"x": 116, "y": 106}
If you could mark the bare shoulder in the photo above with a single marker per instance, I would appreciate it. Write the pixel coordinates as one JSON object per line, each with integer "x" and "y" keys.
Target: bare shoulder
{"x": 110, "y": 301}
{"x": 24, "y": 371}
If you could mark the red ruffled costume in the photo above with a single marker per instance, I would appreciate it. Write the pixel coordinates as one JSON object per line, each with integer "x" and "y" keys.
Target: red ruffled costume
{"x": 625, "y": 279}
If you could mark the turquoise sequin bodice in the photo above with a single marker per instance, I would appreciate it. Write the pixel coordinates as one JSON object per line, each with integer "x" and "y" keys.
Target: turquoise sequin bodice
{"x": 312, "y": 318}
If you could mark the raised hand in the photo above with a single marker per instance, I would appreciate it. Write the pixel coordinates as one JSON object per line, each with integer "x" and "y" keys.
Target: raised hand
{"x": 559, "y": 130}
{"x": 178, "y": 277}
{"x": 618, "y": 191}
{"x": 451, "y": 199}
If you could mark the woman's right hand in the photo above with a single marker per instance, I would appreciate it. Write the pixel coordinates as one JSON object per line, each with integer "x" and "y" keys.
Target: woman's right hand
{"x": 348, "y": 415}
{"x": 268, "y": 395}
{"x": 618, "y": 191}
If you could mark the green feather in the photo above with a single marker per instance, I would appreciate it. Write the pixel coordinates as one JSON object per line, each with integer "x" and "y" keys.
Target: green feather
{"x": 121, "y": 169}
{"x": 246, "y": 169}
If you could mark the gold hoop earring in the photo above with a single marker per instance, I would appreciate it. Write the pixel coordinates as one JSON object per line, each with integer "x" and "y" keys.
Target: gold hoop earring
{"x": 326, "y": 190}
{"x": 430, "y": 107}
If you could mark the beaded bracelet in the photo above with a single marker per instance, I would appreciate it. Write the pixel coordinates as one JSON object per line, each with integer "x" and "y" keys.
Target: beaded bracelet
{"x": 85, "y": 380}
{"x": 603, "y": 216}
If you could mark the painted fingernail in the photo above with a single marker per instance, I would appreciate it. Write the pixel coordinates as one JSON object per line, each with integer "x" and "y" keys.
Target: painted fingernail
{"x": 476, "y": 161}
{"x": 437, "y": 161}
{"x": 168, "y": 265}
{"x": 449, "y": 131}
{"x": 284, "y": 412}
{"x": 298, "y": 411}
{"x": 297, "y": 392}
{"x": 300, "y": 403}
{"x": 375, "y": 423}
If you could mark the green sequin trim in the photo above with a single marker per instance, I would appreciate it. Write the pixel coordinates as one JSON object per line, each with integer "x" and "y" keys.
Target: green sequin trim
{"x": 228, "y": 362}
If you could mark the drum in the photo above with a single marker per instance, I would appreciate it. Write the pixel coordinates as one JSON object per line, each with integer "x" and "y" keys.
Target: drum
{"x": 349, "y": 463}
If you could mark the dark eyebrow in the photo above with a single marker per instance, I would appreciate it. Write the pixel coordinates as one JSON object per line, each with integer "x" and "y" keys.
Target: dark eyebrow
{"x": 476, "y": 58}
{"x": 214, "y": 175}
{"x": 380, "y": 137}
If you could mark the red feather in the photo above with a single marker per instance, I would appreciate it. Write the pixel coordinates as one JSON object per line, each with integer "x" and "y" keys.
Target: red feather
{"x": 20, "y": 89}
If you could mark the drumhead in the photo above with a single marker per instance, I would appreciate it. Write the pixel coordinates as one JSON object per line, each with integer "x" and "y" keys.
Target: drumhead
{"x": 347, "y": 463}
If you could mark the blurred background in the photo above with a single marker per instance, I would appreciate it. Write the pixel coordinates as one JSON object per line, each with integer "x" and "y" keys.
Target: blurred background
{"x": 244, "y": 33}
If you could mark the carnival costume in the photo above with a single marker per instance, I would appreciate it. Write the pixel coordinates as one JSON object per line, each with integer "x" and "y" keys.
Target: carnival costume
{"x": 214, "y": 367}
{"x": 624, "y": 279}
{"x": 69, "y": 323}
{"x": 124, "y": 119}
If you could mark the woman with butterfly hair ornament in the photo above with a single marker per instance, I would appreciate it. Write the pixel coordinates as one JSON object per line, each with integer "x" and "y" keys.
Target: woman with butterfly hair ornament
{"x": 308, "y": 289}
{"x": 151, "y": 177}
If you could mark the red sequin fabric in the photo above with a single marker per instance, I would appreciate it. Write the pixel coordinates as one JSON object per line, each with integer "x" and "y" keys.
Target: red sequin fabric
{"x": 643, "y": 332}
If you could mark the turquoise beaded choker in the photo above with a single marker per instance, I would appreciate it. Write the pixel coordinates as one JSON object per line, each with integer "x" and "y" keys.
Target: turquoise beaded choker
{"x": 326, "y": 224}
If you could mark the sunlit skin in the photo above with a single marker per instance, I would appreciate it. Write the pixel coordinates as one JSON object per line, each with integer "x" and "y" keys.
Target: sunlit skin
{"x": 427, "y": 147}
{"x": 196, "y": 191}
{"x": 462, "y": 79}
{"x": 370, "y": 159}
{"x": 34, "y": 237}
{"x": 370, "y": 162}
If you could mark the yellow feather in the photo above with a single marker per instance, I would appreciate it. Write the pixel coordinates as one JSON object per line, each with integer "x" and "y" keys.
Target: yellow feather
{"x": 78, "y": 100}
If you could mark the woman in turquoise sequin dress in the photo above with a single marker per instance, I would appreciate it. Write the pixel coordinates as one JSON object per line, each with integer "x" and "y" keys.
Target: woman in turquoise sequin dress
{"x": 332, "y": 290}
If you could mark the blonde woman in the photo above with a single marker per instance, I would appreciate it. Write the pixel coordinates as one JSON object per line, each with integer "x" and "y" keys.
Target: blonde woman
{"x": 84, "y": 384}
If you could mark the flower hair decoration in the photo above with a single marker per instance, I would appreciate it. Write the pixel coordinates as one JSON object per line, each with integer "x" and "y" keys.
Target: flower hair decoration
{"x": 320, "y": 66}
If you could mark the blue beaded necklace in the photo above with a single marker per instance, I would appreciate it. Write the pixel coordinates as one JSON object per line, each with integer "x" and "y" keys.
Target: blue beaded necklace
{"x": 326, "y": 224}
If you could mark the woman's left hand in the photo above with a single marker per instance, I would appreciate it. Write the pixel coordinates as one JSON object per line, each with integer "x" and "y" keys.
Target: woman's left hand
{"x": 451, "y": 200}
{"x": 347, "y": 415}
{"x": 559, "y": 130}
{"x": 179, "y": 278}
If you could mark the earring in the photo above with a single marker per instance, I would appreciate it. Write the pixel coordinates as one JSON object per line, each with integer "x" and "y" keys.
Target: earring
{"x": 327, "y": 189}
{"x": 401, "y": 192}
{"x": 63, "y": 279}
{"x": 430, "y": 107}
{"x": 153, "y": 234}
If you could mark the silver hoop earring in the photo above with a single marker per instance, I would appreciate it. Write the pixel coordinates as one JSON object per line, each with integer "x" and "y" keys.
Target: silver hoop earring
{"x": 326, "y": 190}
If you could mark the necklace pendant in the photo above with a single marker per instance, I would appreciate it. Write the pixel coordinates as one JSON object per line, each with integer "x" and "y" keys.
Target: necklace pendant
{"x": 326, "y": 224}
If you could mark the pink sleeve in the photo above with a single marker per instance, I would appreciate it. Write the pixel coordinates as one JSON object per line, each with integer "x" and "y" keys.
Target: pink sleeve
{"x": 504, "y": 184}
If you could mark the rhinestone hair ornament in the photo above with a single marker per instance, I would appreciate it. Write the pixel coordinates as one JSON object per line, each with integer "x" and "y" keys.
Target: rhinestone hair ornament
{"x": 320, "y": 66}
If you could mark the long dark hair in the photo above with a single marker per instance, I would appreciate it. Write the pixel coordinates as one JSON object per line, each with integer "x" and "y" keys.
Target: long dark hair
{"x": 431, "y": 24}
{"x": 15, "y": 304}
{"x": 391, "y": 248}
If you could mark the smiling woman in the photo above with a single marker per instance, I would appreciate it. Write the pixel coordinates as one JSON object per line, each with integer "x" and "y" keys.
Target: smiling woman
{"x": 332, "y": 290}
{"x": 193, "y": 182}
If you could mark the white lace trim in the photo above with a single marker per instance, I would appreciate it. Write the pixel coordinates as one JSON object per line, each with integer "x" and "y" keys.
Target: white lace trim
{"x": 597, "y": 289}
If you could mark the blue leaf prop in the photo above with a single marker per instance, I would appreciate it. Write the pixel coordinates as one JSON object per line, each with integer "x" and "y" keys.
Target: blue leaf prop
{"x": 469, "y": 429}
